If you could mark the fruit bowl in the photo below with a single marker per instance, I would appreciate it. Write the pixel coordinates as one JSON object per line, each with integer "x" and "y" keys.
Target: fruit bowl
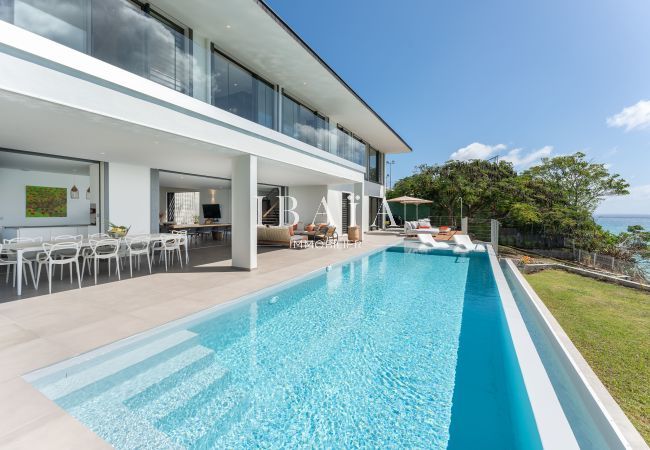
{"x": 117, "y": 231}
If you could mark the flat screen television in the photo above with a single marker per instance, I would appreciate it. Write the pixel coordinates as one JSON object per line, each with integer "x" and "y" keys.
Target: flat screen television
{"x": 211, "y": 212}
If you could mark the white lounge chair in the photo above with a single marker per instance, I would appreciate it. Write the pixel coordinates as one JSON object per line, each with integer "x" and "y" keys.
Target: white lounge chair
{"x": 463, "y": 242}
{"x": 429, "y": 241}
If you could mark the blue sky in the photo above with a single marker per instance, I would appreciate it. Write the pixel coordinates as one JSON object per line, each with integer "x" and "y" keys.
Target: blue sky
{"x": 521, "y": 79}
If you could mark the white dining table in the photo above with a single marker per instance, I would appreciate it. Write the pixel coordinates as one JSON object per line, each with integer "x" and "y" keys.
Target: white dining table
{"x": 30, "y": 247}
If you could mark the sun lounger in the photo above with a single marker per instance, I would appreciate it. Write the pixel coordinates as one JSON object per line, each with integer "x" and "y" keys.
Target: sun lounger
{"x": 463, "y": 242}
{"x": 413, "y": 230}
{"x": 429, "y": 241}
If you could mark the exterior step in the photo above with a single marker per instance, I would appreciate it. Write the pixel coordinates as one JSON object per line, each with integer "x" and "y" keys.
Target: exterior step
{"x": 157, "y": 389}
{"x": 199, "y": 425}
{"x": 212, "y": 378}
{"x": 98, "y": 378}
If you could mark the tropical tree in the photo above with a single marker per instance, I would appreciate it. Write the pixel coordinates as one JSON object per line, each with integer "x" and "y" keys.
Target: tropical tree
{"x": 557, "y": 197}
{"x": 581, "y": 183}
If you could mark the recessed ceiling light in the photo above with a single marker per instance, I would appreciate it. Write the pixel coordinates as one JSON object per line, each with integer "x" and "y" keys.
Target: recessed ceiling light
{"x": 227, "y": 26}
{"x": 304, "y": 83}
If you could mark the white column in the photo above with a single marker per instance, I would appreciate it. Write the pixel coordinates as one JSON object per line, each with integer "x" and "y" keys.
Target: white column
{"x": 244, "y": 212}
{"x": 129, "y": 197}
{"x": 361, "y": 208}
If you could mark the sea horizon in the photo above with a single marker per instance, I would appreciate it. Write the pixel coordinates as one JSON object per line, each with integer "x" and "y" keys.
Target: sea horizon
{"x": 623, "y": 216}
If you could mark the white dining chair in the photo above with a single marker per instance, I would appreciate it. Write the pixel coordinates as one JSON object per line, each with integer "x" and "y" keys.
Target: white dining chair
{"x": 183, "y": 243}
{"x": 7, "y": 261}
{"x": 29, "y": 258}
{"x": 86, "y": 252}
{"x": 107, "y": 250}
{"x": 66, "y": 253}
{"x": 171, "y": 245}
{"x": 138, "y": 246}
{"x": 58, "y": 254}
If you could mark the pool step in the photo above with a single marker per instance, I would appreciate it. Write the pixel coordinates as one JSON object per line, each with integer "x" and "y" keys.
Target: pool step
{"x": 175, "y": 392}
{"x": 97, "y": 378}
{"x": 200, "y": 422}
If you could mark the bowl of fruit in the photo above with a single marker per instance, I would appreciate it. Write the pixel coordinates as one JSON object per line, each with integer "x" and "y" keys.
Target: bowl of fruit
{"x": 117, "y": 231}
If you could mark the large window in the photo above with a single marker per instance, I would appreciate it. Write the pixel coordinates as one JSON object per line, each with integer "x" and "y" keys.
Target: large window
{"x": 183, "y": 207}
{"x": 241, "y": 92}
{"x": 350, "y": 147}
{"x": 374, "y": 167}
{"x": 63, "y": 21}
{"x": 127, "y": 34}
{"x": 304, "y": 124}
{"x": 142, "y": 41}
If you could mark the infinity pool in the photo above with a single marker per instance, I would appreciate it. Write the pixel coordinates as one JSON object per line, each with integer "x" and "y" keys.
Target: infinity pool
{"x": 399, "y": 349}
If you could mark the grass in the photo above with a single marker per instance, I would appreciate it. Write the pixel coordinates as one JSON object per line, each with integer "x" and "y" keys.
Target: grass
{"x": 610, "y": 325}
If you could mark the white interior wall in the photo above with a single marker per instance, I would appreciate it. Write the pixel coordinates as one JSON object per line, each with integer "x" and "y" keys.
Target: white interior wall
{"x": 12, "y": 197}
{"x": 206, "y": 196}
{"x": 129, "y": 196}
{"x": 308, "y": 199}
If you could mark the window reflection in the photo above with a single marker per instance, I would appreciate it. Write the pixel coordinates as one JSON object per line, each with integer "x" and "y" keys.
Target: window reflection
{"x": 63, "y": 21}
{"x": 240, "y": 92}
{"x": 304, "y": 124}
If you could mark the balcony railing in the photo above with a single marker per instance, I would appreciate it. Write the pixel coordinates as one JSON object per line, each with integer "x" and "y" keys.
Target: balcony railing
{"x": 146, "y": 43}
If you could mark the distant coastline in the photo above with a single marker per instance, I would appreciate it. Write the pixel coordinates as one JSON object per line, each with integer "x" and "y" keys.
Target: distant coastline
{"x": 618, "y": 223}
{"x": 622, "y": 216}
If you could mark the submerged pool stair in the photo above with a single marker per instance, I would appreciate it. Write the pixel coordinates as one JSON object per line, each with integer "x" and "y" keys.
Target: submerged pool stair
{"x": 172, "y": 390}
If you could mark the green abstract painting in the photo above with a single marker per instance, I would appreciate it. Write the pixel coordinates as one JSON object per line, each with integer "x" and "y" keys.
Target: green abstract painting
{"x": 44, "y": 201}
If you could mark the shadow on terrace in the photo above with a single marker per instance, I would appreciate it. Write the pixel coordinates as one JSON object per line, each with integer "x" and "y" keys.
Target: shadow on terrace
{"x": 205, "y": 258}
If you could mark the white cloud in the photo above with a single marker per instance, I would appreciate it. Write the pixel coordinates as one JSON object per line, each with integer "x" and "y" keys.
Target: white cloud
{"x": 633, "y": 117}
{"x": 476, "y": 150}
{"x": 523, "y": 161}
{"x": 638, "y": 202}
{"x": 516, "y": 156}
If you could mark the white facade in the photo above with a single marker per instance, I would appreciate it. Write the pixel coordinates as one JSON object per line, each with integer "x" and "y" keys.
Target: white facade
{"x": 58, "y": 97}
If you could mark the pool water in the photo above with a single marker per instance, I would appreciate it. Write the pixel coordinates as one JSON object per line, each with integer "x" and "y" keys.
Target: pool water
{"x": 398, "y": 349}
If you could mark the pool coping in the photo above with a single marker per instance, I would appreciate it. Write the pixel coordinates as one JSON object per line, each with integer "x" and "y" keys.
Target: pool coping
{"x": 36, "y": 375}
{"x": 553, "y": 427}
{"x": 610, "y": 413}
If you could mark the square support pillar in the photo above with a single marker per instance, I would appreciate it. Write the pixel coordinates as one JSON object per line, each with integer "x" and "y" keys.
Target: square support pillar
{"x": 244, "y": 212}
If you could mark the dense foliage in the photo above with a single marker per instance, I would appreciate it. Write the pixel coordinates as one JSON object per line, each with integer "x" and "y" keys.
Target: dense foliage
{"x": 556, "y": 197}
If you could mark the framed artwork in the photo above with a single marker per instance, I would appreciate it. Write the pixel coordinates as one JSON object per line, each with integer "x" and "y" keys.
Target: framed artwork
{"x": 42, "y": 201}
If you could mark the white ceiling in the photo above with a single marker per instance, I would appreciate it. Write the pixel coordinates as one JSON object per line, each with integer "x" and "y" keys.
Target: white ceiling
{"x": 37, "y": 163}
{"x": 183, "y": 181}
{"x": 250, "y": 33}
{"x": 34, "y": 125}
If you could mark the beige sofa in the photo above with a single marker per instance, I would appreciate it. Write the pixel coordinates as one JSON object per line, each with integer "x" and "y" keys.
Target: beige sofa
{"x": 273, "y": 235}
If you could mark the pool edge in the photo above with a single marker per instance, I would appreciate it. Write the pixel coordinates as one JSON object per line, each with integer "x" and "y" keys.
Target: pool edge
{"x": 620, "y": 426}
{"x": 552, "y": 425}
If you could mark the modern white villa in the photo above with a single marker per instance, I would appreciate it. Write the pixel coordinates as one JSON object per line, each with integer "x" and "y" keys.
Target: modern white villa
{"x": 155, "y": 110}
{"x": 191, "y": 154}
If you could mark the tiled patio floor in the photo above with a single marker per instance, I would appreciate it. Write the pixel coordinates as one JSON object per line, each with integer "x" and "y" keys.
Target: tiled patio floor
{"x": 39, "y": 330}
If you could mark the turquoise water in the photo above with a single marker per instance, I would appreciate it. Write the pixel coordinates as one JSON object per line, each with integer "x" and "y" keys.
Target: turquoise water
{"x": 399, "y": 349}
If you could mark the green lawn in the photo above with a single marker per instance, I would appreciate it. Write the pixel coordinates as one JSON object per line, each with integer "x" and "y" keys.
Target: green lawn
{"x": 610, "y": 325}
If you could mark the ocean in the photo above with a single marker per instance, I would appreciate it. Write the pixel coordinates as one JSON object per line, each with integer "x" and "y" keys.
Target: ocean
{"x": 619, "y": 224}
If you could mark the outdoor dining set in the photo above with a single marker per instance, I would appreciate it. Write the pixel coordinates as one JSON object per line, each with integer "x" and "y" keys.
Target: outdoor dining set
{"x": 84, "y": 255}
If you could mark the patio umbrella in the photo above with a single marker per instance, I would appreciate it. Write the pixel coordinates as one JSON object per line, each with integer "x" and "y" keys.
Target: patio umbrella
{"x": 406, "y": 200}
